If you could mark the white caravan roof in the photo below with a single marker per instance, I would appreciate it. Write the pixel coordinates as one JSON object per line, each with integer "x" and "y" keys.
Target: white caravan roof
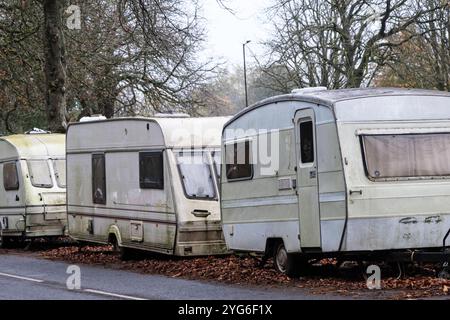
{"x": 28, "y": 146}
{"x": 120, "y": 133}
{"x": 368, "y": 103}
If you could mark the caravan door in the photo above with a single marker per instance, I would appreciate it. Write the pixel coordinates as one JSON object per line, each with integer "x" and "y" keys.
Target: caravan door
{"x": 307, "y": 179}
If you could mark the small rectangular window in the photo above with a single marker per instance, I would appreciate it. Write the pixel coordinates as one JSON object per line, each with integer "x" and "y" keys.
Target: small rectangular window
{"x": 40, "y": 173}
{"x": 10, "y": 176}
{"x": 238, "y": 163}
{"x": 98, "y": 179}
{"x": 307, "y": 142}
{"x": 151, "y": 170}
{"x": 59, "y": 165}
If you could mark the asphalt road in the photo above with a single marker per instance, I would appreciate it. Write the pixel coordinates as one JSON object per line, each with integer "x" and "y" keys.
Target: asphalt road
{"x": 30, "y": 278}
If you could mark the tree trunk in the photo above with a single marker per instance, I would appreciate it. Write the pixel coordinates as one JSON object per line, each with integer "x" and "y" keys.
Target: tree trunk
{"x": 55, "y": 65}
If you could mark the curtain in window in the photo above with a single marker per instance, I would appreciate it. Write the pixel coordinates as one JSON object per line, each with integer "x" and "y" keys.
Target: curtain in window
{"x": 412, "y": 155}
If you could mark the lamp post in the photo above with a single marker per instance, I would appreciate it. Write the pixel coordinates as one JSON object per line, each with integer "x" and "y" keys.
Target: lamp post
{"x": 245, "y": 73}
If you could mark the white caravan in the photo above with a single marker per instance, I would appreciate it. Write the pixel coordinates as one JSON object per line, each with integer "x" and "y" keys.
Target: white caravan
{"x": 323, "y": 173}
{"x": 33, "y": 192}
{"x": 146, "y": 183}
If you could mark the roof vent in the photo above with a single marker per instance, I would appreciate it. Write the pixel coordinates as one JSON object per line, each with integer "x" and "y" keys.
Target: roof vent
{"x": 309, "y": 90}
{"x": 171, "y": 115}
{"x": 37, "y": 131}
{"x": 94, "y": 117}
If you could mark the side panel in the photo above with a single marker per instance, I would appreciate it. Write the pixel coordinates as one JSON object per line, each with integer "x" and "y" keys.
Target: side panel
{"x": 127, "y": 205}
{"x": 332, "y": 190}
{"x": 384, "y": 215}
{"x": 12, "y": 204}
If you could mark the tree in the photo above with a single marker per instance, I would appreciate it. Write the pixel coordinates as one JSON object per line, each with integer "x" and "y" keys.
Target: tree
{"x": 144, "y": 61}
{"x": 55, "y": 64}
{"x": 424, "y": 61}
{"x": 335, "y": 43}
{"x": 22, "y": 82}
{"x": 131, "y": 57}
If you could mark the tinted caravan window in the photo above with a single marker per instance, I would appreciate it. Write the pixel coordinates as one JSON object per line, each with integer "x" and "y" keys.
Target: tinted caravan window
{"x": 307, "y": 142}
{"x": 10, "y": 176}
{"x": 98, "y": 179}
{"x": 151, "y": 170}
{"x": 238, "y": 164}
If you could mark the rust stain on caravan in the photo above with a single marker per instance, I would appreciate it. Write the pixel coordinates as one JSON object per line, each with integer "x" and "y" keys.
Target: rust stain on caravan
{"x": 409, "y": 220}
{"x": 433, "y": 219}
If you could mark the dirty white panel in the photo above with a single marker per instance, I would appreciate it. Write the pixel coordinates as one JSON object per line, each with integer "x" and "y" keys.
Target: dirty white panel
{"x": 252, "y": 236}
{"x": 411, "y": 232}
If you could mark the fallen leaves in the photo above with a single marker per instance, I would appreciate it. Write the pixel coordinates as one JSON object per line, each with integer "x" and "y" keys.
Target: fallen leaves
{"x": 324, "y": 277}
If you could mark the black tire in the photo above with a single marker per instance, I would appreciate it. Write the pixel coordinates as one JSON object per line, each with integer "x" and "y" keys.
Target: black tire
{"x": 444, "y": 274}
{"x": 5, "y": 243}
{"x": 286, "y": 263}
{"x": 123, "y": 253}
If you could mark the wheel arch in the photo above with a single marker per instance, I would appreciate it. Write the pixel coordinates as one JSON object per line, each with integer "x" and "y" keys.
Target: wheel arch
{"x": 114, "y": 232}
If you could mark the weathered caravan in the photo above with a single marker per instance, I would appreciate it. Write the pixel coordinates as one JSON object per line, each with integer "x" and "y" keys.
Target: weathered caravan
{"x": 325, "y": 173}
{"x": 33, "y": 192}
{"x": 146, "y": 183}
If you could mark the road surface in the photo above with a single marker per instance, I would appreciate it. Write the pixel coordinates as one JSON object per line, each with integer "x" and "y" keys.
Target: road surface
{"x": 29, "y": 278}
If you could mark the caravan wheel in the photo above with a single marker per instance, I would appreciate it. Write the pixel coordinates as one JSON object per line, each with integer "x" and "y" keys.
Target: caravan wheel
{"x": 124, "y": 253}
{"x": 285, "y": 263}
{"x": 4, "y": 242}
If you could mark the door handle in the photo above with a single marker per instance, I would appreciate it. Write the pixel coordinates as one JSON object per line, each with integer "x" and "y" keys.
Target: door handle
{"x": 356, "y": 191}
{"x": 201, "y": 213}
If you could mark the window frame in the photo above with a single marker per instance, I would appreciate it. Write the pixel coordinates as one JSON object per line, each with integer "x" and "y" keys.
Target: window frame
{"x": 150, "y": 186}
{"x": 393, "y": 179}
{"x": 211, "y": 172}
{"x": 300, "y": 122}
{"x": 234, "y": 144}
{"x": 30, "y": 172}
{"x": 103, "y": 157}
{"x": 17, "y": 187}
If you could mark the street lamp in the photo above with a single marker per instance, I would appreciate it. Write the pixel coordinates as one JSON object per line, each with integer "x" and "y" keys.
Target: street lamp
{"x": 245, "y": 73}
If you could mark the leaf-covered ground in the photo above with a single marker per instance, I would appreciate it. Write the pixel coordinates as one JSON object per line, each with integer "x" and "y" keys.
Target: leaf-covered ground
{"x": 323, "y": 277}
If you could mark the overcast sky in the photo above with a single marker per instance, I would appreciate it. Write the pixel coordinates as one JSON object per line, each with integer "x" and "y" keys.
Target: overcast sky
{"x": 227, "y": 32}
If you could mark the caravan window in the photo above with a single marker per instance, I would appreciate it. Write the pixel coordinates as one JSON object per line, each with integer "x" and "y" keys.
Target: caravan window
{"x": 307, "y": 142}
{"x": 59, "y": 166}
{"x": 237, "y": 158}
{"x": 407, "y": 155}
{"x": 151, "y": 170}
{"x": 40, "y": 173}
{"x": 10, "y": 176}
{"x": 98, "y": 179}
{"x": 197, "y": 176}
